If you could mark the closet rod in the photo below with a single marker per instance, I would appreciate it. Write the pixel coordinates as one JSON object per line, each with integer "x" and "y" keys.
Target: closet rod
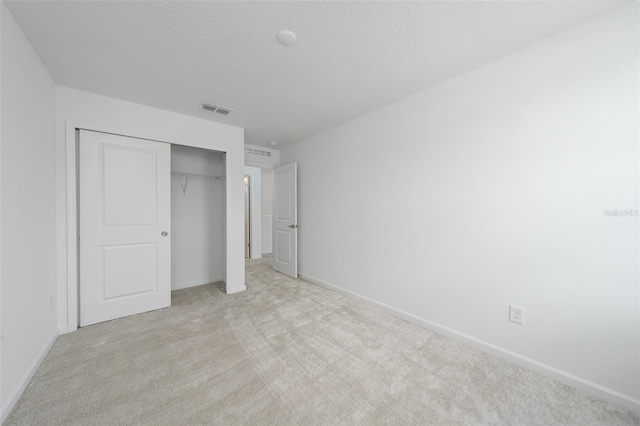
{"x": 197, "y": 174}
{"x": 185, "y": 183}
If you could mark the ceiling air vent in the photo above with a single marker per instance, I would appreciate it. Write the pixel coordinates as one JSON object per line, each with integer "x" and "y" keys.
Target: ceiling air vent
{"x": 259, "y": 152}
{"x": 215, "y": 108}
{"x": 224, "y": 111}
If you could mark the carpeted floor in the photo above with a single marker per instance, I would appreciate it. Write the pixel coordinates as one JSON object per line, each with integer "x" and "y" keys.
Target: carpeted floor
{"x": 287, "y": 352}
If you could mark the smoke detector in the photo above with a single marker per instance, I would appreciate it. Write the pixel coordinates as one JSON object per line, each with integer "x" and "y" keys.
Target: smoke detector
{"x": 215, "y": 108}
{"x": 287, "y": 38}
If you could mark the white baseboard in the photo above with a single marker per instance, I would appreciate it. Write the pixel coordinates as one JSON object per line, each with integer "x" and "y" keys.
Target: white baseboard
{"x": 235, "y": 289}
{"x": 574, "y": 381}
{"x": 180, "y": 286}
{"x": 26, "y": 377}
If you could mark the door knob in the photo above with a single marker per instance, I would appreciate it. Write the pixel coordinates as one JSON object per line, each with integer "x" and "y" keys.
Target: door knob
{"x": 164, "y": 233}
{"x": 293, "y": 226}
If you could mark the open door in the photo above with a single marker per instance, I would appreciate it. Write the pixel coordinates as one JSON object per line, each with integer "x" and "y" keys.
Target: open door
{"x": 125, "y": 216}
{"x": 285, "y": 219}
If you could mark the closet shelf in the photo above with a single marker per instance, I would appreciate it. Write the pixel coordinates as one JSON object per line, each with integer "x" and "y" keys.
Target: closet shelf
{"x": 198, "y": 174}
{"x": 184, "y": 183}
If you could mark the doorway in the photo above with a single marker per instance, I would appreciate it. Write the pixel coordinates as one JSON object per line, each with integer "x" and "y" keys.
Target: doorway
{"x": 253, "y": 212}
{"x": 247, "y": 217}
{"x": 267, "y": 211}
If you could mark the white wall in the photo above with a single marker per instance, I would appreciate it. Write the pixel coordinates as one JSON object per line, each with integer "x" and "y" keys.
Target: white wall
{"x": 196, "y": 216}
{"x": 28, "y": 213}
{"x": 83, "y": 108}
{"x": 488, "y": 190}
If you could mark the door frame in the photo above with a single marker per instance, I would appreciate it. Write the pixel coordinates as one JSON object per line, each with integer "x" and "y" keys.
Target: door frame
{"x": 72, "y": 142}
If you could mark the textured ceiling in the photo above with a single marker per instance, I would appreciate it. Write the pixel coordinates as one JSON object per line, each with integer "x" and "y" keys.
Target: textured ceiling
{"x": 350, "y": 58}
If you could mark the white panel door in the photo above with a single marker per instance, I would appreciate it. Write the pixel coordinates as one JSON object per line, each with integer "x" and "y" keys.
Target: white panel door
{"x": 285, "y": 219}
{"x": 125, "y": 216}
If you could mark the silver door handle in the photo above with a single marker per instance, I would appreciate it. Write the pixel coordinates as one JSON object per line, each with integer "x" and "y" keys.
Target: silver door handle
{"x": 164, "y": 233}
{"x": 293, "y": 226}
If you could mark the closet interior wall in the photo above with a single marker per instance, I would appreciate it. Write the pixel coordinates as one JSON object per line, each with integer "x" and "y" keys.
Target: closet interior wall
{"x": 197, "y": 216}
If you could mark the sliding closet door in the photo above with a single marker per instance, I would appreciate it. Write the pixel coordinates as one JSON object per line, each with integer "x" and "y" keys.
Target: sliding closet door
{"x": 125, "y": 246}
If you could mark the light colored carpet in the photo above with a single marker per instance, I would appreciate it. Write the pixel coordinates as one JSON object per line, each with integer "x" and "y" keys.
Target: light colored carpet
{"x": 287, "y": 352}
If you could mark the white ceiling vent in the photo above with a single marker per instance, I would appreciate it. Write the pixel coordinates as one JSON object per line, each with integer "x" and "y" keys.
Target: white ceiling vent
{"x": 215, "y": 108}
{"x": 260, "y": 152}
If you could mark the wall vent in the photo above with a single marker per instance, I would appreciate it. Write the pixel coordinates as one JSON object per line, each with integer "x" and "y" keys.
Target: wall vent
{"x": 258, "y": 152}
{"x": 215, "y": 108}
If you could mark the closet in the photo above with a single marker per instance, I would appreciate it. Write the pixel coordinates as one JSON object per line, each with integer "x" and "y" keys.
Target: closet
{"x": 151, "y": 220}
{"x": 197, "y": 216}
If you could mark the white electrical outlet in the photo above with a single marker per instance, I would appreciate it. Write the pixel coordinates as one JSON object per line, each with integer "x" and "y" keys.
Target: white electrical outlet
{"x": 516, "y": 314}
